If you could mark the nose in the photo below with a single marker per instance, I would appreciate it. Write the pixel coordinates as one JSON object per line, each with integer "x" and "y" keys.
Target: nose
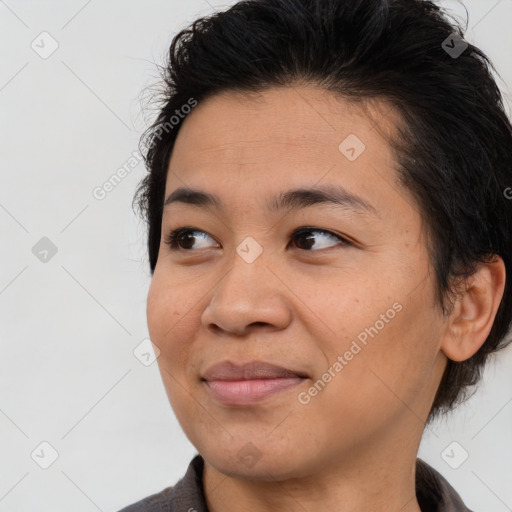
{"x": 249, "y": 296}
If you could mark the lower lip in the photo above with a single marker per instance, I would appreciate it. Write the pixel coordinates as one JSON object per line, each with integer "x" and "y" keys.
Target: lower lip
{"x": 244, "y": 392}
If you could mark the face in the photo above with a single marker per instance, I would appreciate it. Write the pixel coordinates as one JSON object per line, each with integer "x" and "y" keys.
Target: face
{"x": 341, "y": 293}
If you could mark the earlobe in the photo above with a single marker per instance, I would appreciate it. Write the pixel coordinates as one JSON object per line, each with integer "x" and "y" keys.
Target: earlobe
{"x": 474, "y": 311}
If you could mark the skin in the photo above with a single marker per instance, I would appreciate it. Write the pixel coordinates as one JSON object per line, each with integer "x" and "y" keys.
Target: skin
{"x": 353, "y": 447}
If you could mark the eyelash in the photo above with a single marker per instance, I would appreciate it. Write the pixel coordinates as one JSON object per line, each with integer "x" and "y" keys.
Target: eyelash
{"x": 171, "y": 239}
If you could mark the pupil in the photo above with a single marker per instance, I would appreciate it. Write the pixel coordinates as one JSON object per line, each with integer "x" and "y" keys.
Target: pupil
{"x": 308, "y": 238}
{"x": 189, "y": 240}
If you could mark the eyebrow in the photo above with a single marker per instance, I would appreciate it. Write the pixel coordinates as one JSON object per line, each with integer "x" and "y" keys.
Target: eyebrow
{"x": 290, "y": 200}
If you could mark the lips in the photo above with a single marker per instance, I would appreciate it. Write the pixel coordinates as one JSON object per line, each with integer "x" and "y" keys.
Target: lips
{"x": 228, "y": 371}
{"x": 249, "y": 384}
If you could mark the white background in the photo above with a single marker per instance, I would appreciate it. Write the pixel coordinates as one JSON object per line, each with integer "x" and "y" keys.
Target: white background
{"x": 68, "y": 327}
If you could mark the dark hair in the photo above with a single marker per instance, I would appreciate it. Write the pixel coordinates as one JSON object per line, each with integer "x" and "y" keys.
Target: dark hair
{"x": 454, "y": 143}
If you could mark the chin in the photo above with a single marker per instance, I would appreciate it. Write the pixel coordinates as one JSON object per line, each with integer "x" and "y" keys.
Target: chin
{"x": 264, "y": 465}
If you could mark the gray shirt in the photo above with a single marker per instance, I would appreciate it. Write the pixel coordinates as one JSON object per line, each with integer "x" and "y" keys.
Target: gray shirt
{"x": 433, "y": 492}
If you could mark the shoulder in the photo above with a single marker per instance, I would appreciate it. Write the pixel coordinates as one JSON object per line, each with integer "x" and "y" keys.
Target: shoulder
{"x": 434, "y": 492}
{"x": 185, "y": 496}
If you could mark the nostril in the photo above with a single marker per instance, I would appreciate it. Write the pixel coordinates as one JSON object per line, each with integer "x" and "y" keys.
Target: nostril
{"x": 258, "y": 323}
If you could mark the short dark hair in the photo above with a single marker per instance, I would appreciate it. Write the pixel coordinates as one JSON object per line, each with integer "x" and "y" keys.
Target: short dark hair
{"x": 454, "y": 143}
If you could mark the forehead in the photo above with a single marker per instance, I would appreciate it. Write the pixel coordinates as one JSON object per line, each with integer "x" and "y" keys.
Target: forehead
{"x": 283, "y": 138}
{"x": 304, "y": 116}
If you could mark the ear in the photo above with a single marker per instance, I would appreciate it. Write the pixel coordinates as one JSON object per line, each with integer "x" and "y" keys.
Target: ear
{"x": 474, "y": 311}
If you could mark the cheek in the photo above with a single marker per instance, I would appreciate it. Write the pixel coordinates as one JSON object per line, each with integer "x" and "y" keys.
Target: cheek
{"x": 169, "y": 315}
{"x": 392, "y": 372}
{"x": 170, "y": 321}
{"x": 390, "y": 341}
{"x": 159, "y": 317}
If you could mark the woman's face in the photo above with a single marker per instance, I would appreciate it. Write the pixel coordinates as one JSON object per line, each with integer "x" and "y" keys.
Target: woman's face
{"x": 347, "y": 305}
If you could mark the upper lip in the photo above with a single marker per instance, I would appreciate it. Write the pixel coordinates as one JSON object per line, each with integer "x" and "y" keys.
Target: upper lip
{"x": 228, "y": 370}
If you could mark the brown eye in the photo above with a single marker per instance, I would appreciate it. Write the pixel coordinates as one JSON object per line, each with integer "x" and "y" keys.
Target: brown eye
{"x": 183, "y": 238}
{"x": 306, "y": 239}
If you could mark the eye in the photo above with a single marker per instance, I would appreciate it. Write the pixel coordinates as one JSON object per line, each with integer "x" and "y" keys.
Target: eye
{"x": 183, "y": 238}
{"x": 307, "y": 240}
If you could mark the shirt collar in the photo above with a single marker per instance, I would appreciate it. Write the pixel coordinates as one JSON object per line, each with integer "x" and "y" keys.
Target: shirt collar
{"x": 433, "y": 491}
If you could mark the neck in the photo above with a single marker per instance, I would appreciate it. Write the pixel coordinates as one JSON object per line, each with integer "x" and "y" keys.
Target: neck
{"x": 356, "y": 484}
